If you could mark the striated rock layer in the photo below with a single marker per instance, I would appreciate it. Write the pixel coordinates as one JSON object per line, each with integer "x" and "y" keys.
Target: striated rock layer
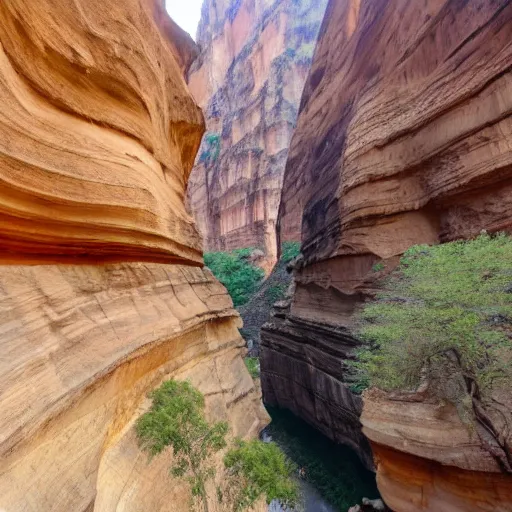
{"x": 427, "y": 459}
{"x": 404, "y": 137}
{"x": 82, "y": 345}
{"x": 98, "y": 133}
{"x": 98, "y": 136}
{"x": 248, "y": 80}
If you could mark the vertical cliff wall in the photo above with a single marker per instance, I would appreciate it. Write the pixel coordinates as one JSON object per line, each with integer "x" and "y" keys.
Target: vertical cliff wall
{"x": 102, "y": 294}
{"x": 404, "y": 137}
{"x": 248, "y": 79}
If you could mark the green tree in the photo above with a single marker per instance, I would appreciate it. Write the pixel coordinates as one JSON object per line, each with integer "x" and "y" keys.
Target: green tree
{"x": 211, "y": 149}
{"x": 261, "y": 469}
{"x": 289, "y": 251}
{"x": 445, "y": 318}
{"x": 236, "y": 273}
{"x": 176, "y": 419}
{"x": 253, "y": 366}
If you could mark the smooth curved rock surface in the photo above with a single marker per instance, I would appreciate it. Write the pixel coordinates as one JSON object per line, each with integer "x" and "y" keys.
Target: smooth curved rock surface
{"x": 82, "y": 346}
{"x": 98, "y": 133}
{"x": 404, "y": 137}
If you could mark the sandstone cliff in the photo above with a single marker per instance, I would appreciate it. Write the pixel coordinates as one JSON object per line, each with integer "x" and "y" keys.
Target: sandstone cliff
{"x": 248, "y": 80}
{"x": 404, "y": 137}
{"x": 101, "y": 294}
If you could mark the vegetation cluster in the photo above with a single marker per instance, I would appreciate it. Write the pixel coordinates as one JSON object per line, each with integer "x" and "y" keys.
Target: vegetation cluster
{"x": 444, "y": 319}
{"x": 236, "y": 272}
{"x": 253, "y": 469}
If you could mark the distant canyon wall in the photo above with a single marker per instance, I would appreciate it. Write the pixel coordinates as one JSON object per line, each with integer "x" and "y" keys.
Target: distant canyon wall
{"x": 255, "y": 56}
{"x": 102, "y": 294}
{"x": 404, "y": 137}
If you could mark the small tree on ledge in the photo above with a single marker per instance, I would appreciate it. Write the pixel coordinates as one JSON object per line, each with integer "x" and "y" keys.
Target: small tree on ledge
{"x": 176, "y": 419}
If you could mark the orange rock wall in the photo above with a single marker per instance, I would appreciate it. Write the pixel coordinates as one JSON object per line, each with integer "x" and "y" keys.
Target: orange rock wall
{"x": 106, "y": 134}
{"x": 101, "y": 294}
{"x": 411, "y": 483}
{"x": 248, "y": 80}
{"x": 404, "y": 137}
{"x": 428, "y": 460}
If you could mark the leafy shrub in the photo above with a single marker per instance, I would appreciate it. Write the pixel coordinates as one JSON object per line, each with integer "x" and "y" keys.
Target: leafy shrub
{"x": 289, "y": 251}
{"x": 261, "y": 469}
{"x": 253, "y": 365}
{"x": 236, "y": 273}
{"x": 275, "y": 292}
{"x": 176, "y": 419}
{"x": 211, "y": 151}
{"x": 445, "y": 318}
{"x": 378, "y": 267}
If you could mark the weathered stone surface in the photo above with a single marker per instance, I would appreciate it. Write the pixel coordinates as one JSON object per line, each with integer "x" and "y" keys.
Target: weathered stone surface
{"x": 404, "y": 137}
{"x": 98, "y": 136}
{"x": 98, "y": 132}
{"x": 248, "y": 79}
{"x": 428, "y": 460}
{"x": 82, "y": 345}
{"x": 411, "y": 483}
{"x": 303, "y": 367}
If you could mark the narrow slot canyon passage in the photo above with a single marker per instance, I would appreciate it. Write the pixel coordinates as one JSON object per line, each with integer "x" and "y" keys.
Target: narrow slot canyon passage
{"x": 256, "y": 256}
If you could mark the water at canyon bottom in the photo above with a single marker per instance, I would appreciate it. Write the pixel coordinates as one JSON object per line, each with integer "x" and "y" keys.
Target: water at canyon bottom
{"x": 335, "y": 478}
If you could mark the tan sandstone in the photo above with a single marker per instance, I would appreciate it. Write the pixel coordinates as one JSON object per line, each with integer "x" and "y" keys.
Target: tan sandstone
{"x": 101, "y": 294}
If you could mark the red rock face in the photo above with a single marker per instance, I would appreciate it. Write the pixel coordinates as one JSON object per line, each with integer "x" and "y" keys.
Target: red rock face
{"x": 411, "y": 483}
{"x": 427, "y": 460}
{"x": 404, "y": 137}
{"x": 248, "y": 80}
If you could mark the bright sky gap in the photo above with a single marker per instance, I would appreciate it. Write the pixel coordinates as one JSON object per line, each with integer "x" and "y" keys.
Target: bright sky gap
{"x": 185, "y": 13}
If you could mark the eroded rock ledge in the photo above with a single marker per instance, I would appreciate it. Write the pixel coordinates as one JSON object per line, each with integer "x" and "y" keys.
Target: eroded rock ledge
{"x": 98, "y": 134}
{"x": 427, "y": 459}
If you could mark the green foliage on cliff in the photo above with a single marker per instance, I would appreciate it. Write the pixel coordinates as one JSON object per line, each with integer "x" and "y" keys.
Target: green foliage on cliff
{"x": 211, "y": 151}
{"x": 274, "y": 293}
{"x": 253, "y": 469}
{"x": 253, "y": 366}
{"x": 261, "y": 469}
{"x": 176, "y": 419}
{"x": 289, "y": 251}
{"x": 236, "y": 273}
{"x": 445, "y": 318}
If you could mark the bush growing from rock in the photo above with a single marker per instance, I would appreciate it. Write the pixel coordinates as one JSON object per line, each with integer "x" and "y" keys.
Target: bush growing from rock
{"x": 235, "y": 271}
{"x": 445, "y": 318}
{"x": 261, "y": 469}
{"x": 176, "y": 419}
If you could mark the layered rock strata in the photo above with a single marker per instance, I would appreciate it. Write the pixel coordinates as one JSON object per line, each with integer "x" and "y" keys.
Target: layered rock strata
{"x": 99, "y": 134}
{"x": 428, "y": 460}
{"x": 248, "y": 80}
{"x": 404, "y": 137}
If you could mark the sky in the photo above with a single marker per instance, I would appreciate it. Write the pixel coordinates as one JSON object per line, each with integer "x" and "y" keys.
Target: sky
{"x": 186, "y": 14}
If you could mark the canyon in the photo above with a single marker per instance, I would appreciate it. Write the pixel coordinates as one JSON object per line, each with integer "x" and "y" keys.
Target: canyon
{"x": 111, "y": 175}
{"x": 102, "y": 291}
{"x": 403, "y": 137}
{"x": 248, "y": 79}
